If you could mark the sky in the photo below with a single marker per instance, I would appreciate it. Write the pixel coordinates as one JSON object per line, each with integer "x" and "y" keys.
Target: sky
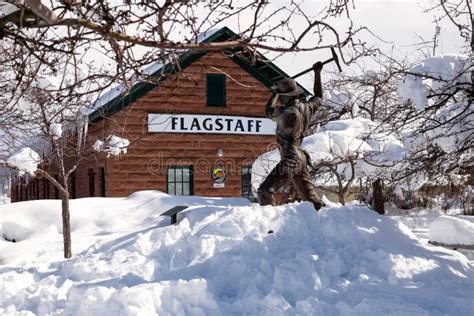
{"x": 401, "y": 23}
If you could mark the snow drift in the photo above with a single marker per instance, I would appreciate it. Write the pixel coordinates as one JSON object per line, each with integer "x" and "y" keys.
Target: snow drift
{"x": 226, "y": 256}
{"x": 452, "y": 230}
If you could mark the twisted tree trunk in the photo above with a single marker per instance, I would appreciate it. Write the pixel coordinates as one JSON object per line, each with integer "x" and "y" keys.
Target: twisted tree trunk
{"x": 377, "y": 199}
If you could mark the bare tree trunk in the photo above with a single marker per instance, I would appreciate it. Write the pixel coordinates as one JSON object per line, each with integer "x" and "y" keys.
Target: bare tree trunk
{"x": 378, "y": 199}
{"x": 65, "y": 209}
{"x": 66, "y": 225}
{"x": 341, "y": 198}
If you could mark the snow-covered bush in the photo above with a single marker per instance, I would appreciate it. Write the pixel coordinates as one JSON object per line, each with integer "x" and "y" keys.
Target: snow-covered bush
{"x": 438, "y": 133}
{"x": 342, "y": 151}
{"x": 440, "y": 88}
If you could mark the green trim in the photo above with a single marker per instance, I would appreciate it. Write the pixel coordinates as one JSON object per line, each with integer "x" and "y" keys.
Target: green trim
{"x": 140, "y": 89}
{"x": 246, "y": 176}
{"x": 191, "y": 179}
{"x": 264, "y": 71}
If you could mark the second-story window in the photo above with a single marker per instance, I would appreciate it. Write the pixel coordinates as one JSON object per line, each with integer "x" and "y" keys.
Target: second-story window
{"x": 215, "y": 90}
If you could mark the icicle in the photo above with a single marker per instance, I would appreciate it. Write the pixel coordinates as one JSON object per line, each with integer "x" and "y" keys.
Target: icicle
{"x": 86, "y": 128}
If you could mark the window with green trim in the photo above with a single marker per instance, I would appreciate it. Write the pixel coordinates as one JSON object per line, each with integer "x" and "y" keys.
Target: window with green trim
{"x": 179, "y": 180}
{"x": 215, "y": 90}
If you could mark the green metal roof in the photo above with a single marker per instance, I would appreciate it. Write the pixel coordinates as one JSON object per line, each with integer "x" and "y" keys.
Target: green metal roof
{"x": 263, "y": 70}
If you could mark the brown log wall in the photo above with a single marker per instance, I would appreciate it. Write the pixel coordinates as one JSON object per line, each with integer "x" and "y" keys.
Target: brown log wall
{"x": 145, "y": 164}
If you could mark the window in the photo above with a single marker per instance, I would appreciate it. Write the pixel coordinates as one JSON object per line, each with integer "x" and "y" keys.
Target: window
{"x": 215, "y": 90}
{"x": 91, "y": 182}
{"x": 102, "y": 182}
{"x": 179, "y": 180}
{"x": 246, "y": 183}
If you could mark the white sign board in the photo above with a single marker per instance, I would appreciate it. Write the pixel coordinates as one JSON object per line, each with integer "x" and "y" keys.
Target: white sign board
{"x": 215, "y": 124}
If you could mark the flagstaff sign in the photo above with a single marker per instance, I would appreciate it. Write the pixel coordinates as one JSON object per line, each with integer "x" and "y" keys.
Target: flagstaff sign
{"x": 216, "y": 124}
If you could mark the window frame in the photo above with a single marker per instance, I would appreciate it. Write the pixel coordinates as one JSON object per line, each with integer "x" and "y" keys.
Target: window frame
{"x": 191, "y": 179}
{"x": 250, "y": 196}
{"x": 224, "y": 92}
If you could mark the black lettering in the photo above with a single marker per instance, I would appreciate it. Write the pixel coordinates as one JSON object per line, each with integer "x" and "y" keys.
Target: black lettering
{"x": 239, "y": 125}
{"x": 181, "y": 120}
{"x": 174, "y": 122}
{"x": 249, "y": 126}
{"x": 229, "y": 121}
{"x": 219, "y": 126}
{"x": 259, "y": 124}
{"x": 195, "y": 125}
{"x": 205, "y": 124}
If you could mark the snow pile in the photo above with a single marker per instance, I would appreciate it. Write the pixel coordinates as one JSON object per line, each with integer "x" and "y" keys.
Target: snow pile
{"x": 432, "y": 76}
{"x": 223, "y": 258}
{"x": 7, "y": 8}
{"x": 92, "y": 219}
{"x": 4, "y": 199}
{"x": 337, "y": 141}
{"x": 113, "y": 145}
{"x": 56, "y": 130}
{"x": 452, "y": 230}
{"x": 26, "y": 160}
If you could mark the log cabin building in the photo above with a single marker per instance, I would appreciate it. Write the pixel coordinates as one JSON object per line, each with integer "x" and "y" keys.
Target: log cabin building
{"x": 195, "y": 132}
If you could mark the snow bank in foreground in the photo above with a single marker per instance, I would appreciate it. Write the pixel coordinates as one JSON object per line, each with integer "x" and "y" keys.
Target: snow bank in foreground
{"x": 222, "y": 259}
{"x": 452, "y": 230}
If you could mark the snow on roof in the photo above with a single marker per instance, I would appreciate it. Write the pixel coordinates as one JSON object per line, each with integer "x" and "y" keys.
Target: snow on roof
{"x": 118, "y": 89}
{"x": 105, "y": 97}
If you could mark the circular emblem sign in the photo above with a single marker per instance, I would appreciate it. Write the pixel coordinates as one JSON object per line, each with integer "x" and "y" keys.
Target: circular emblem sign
{"x": 218, "y": 175}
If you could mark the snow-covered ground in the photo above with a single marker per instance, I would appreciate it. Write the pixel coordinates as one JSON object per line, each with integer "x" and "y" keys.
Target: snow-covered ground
{"x": 225, "y": 256}
{"x": 4, "y": 199}
{"x": 449, "y": 228}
